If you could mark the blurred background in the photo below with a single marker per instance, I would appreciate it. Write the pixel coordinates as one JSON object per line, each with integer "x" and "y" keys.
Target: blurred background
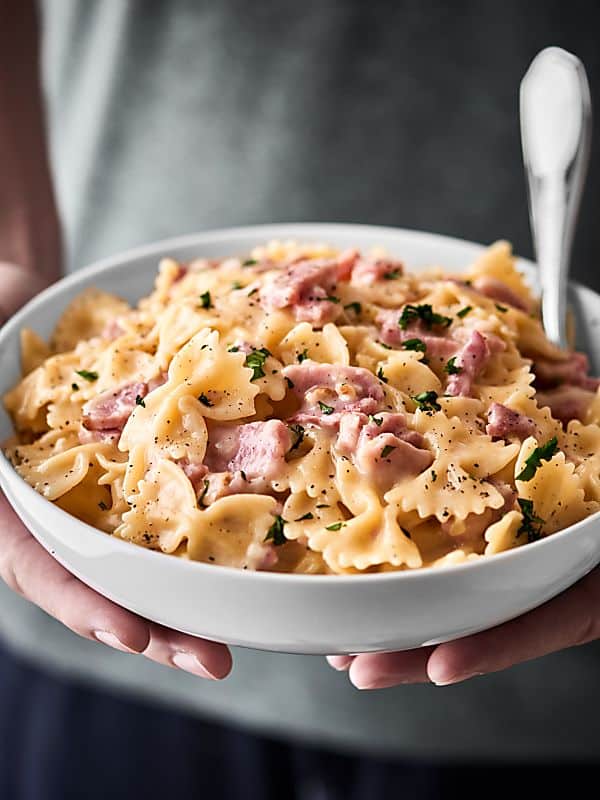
{"x": 172, "y": 117}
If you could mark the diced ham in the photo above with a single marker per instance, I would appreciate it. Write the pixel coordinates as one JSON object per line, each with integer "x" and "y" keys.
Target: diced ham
{"x": 345, "y": 264}
{"x": 111, "y": 409}
{"x": 305, "y": 287}
{"x": 327, "y": 390}
{"x": 499, "y": 291}
{"x": 573, "y": 370}
{"x": 382, "y": 447}
{"x": 112, "y": 330}
{"x": 390, "y": 333}
{"x": 566, "y": 402}
{"x": 368, "y": 271}
{"x": 471, "y": 360}
{"x": 504, "y": 422}
{"x": 109, "y": 435}
{"x": 195, "y": 471}
{"x": 257, "y": 448}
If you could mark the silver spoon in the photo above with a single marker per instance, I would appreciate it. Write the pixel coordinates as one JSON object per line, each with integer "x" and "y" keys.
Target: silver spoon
{"x": 556, "y": 122}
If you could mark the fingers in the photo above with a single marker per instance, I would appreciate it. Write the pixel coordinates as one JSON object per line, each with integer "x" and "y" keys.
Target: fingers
{"x": 340, "y": 663}
{"x": 570, "y": 619}
{"x": 27, "y": 568}
{"x": 381, "y": 670}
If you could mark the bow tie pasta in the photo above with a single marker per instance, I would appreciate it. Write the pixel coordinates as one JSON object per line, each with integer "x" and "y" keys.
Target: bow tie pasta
{"x": 301, "y": 409}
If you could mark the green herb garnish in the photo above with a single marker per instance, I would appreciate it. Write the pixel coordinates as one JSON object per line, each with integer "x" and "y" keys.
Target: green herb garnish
{"x": 256, "y": 361}
{"x": 233, "y": 349}
{"x": 275, "y": 532}
{"x": 327, "y": 410}
{"x": 381, "y": 376}
{"x": 414, "y": 344}
{"x": 74, "y": 387}
{"x": 298, "y": 434}
{"x": 532, "y": 524}
{"x": 302, "y": 356}
{"x": 205, "y": 300}
{"x": 543, "y": 453}
{"x": 332, "y": 298}
{"x": 356, "y": 307}
{"x": 249, "y": 262}
{"x": 392, "y": 275}
{"x": 451, "y": 368}
{"x": 427, "y": 401}
{"x": 377, "y": 420}
{"x": 139, "y": 401}
{"x": 203, "y": 495}
{"x": 387, "y": 450}
{"x": 308, "y": 515}
{"x": 424, "y": 314}
{"x": 503, "y": 309}
{"x": 335, "y": 526}
{"x": 87, "y": 374}
{"x": 252, "y": 291}
{"x": 236, "y": 285}
{"x": 205, "y": 401}
{"x": 290, "y": 383}
{"x": 464, "y": 311}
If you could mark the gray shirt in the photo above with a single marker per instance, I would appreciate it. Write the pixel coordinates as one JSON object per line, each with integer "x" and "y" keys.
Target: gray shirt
{"x": 167, "y": 118}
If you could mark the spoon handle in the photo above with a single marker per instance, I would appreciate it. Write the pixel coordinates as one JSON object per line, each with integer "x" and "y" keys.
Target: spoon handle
{"x": 556, "y": 123}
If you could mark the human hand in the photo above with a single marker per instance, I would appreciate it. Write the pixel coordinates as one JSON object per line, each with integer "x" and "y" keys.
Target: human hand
{"x": 31, "y": 572}
{"x": 570, "y": 619}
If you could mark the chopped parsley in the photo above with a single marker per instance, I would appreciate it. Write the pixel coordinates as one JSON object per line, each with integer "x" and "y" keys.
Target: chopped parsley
{"x": 433, "y": 476}
{"x": 502, "y": 309}
{"x": 377, "y": 420}
{"x": 384, "y": 345}
{"x": 256, "y": 361}
{"x": 205, "y": 300}
{"x": 323, "y": 505}
{"x": 424, "y": 314}
{"x": 414, "y": 344}
{"x": 532, "y": 524}
{"x": 302, "y": 356}
{"x": 87, "y": 374}
{"x": 249, "y": 262}
{"x": 356, "y": 307}
{"x": 427, "y": 401}
{"x": 464, "y": 311}
{"x": 298, "y": 434}
{"x": 389, "y": 448}
{"x": 381, "y": 376}
{"x": 203, "y": 495}
{"x": 451, "y": 368}
{"x": 102, "y": 506}
{"x": 335, "y": 526}
{"x": 233, "y": 349}
{"x": 332, "y": 298}
{"x": 205, "y": 401}
{"x": 252, "y": 291}
{"x": 327, "y": 410}
{"x": 75, "y": 387}
{"x": 275, "y": 532}
{"x": 290, "y": 383}
{"x": 236, "y": 285}
{"x": 543, "y": 453}
{"x": 392, "y": 275}
{"x": 139, "y": 401}
{"x": 308, "y": 515}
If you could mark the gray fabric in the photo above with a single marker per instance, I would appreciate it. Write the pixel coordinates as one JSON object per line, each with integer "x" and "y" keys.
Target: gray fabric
{"x": 173, "y": 117}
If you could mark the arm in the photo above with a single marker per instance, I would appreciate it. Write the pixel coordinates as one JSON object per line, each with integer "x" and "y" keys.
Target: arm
{"x": 30, "y": 257}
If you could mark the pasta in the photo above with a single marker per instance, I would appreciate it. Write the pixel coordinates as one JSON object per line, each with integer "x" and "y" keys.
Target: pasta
{"x": 301, "y": 409}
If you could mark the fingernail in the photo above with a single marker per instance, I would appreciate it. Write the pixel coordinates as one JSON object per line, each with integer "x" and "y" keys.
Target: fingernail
{"x": 189, "y": 663}
{"x": 442, "y": 679}
{"x": 109, "y": 639}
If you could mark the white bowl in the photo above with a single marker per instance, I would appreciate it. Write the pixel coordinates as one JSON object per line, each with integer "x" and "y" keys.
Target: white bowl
{"x": 292, "y": 613}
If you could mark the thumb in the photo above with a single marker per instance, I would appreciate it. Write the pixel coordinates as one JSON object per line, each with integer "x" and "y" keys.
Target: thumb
{"x": 17, "y": 286}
